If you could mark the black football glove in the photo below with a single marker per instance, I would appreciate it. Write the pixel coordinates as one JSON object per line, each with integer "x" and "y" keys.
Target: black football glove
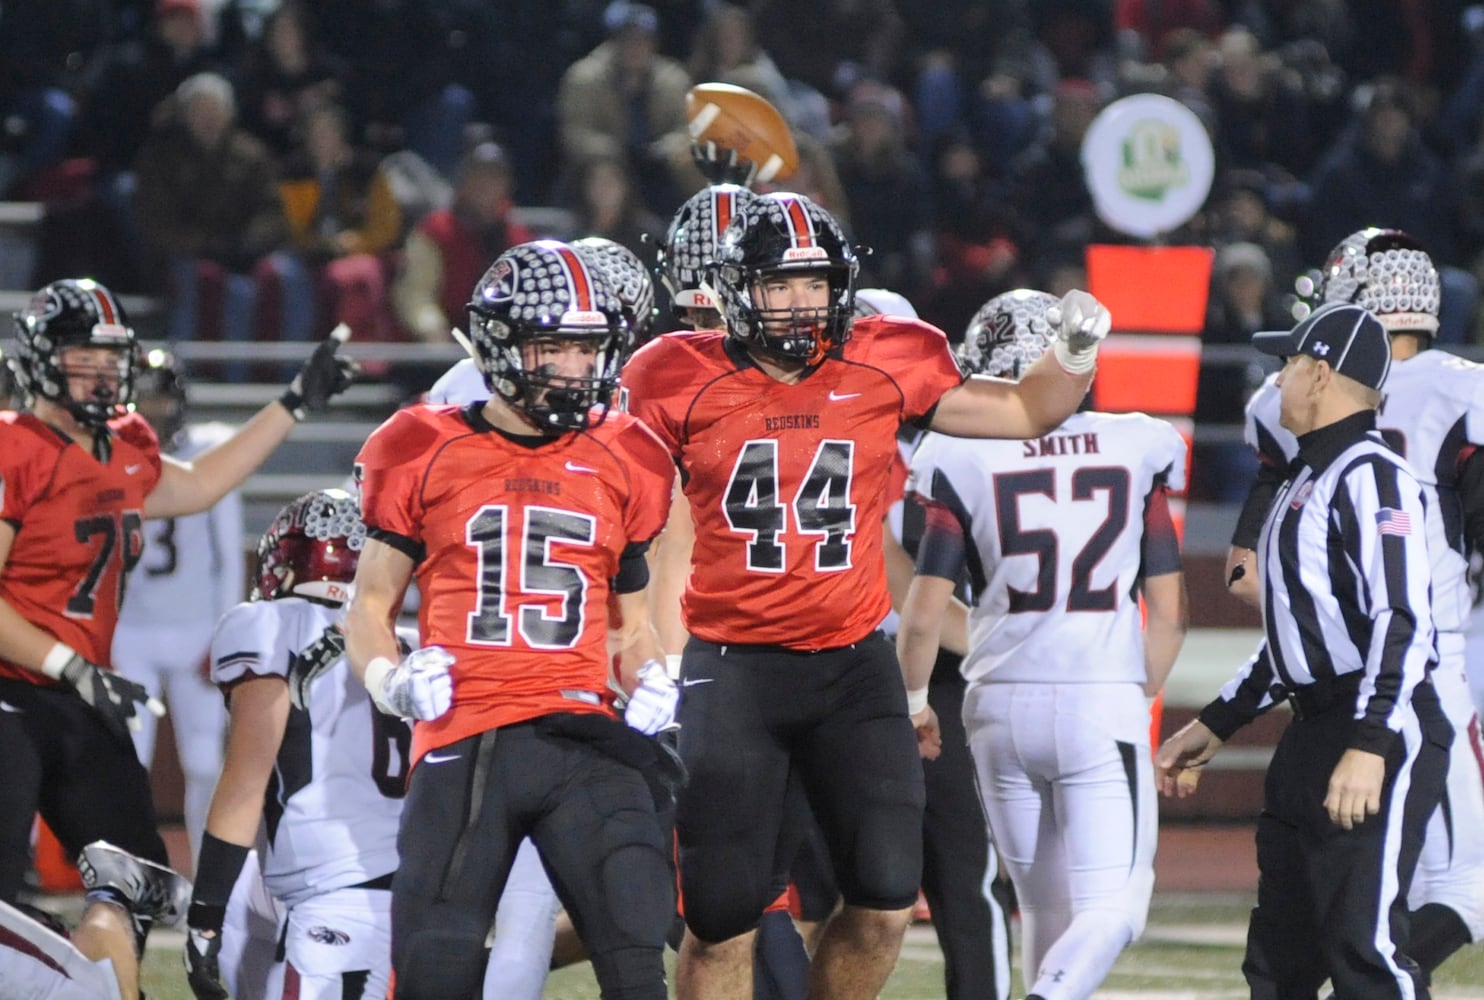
{"x": 310, "y": 663}
{"x": 113, "y": 697}
{"x": 323, "y": 377}
{"x": 203, "y": 969}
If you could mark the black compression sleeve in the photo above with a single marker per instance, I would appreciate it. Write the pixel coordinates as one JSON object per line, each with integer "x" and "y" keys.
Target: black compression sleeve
{"x": 633, "y": 569}
{"x": 1471, "y": 493}
{"x": 1255, "y": 509}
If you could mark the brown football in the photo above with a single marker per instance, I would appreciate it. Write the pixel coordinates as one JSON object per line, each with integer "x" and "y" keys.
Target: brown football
{"x": 735, "y": 118}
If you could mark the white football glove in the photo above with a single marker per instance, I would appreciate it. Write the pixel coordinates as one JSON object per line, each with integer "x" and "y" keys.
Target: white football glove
{"x": 417, "y": 688}
{"x": 651, "y": 707}
{"x": 1081, "y": 323}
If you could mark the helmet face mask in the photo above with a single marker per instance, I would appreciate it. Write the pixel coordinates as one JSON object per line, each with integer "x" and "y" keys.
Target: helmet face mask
{"x": 311, "y": 549}
{"x": 63, "y": 316}
{"x": 535, "y": 296}
{"x": 1008, "y": 334}
{"x": 690, "y": 247}
{"x": 1390, "y": 274}
{"x": 777, "y": 237}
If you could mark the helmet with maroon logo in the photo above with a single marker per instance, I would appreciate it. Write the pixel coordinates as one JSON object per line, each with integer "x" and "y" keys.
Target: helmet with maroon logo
{"x": 311, "y": 549}
{"x": 784, "y": 234}
{"x": 546, "y": 290}
{"x": 629, "y": 279}
{"x": 74, "y": 312}
{"x": 1008, "y": 334}
{"x": 690, "y": 245}
{"x": 1390, "y": 274}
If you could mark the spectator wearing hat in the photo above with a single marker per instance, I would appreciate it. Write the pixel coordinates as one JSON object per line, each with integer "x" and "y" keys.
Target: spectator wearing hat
{"x": 447, "y": 253}
{"x": 626, "y": 99}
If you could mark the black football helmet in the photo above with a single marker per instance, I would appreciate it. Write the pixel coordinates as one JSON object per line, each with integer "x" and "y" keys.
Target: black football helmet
{"x": 629, "y": 279}
{"x": 1008, "y": 334}
{"x": 73, "y": 312}
{"x": 785, "y": 233}
{"x": 311, "y": 549}
{"x": 1390, "y": 274}
{"x": 690, "y": 245}
{"x": 540, "y": 290}
{"x": 160, "y": 394}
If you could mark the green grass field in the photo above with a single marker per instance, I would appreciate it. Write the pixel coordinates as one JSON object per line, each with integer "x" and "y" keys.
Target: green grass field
{"x": 1191, "y": 951}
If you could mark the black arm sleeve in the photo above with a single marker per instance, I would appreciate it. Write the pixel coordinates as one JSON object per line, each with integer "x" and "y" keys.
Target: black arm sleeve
{"x": 1471, "y": 493}
{"x": 633, "y": 569}
{"x": 1255, "y": 508}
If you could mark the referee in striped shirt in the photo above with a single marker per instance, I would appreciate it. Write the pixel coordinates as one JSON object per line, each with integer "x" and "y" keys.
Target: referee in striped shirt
{"x": 1346, "y": 604}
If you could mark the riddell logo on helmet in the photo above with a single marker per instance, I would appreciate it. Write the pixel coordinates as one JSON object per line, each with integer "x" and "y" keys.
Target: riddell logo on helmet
{"x": 335, "y": 592}
{"x": 806, "y": 253}
{"x": 584, "y": 317}
{"x": 110, "y": 331}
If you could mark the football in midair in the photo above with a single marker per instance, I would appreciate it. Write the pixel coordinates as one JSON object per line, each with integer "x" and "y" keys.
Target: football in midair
{"x": 723, "y": 117}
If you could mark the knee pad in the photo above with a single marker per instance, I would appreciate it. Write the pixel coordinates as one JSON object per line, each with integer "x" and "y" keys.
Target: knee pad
{"x": 885, "y": 868}
{"x": 640, "y": 892}
{"x": 436, "y": 964}
{"x": 719, "y": 915}
{"x": 631, "y": 973}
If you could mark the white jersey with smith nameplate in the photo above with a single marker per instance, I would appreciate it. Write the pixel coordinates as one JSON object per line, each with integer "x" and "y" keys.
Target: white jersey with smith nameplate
{"x": 1432, "y": 410}
{"x": 191, "y": 571}
{"x": 335, "y": 797}
{"x": 1057, "y": 528}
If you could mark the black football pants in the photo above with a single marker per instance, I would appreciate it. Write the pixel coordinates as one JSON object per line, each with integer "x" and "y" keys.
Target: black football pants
{"x": 591, "y": 817}
{"x": 58, "y": 758}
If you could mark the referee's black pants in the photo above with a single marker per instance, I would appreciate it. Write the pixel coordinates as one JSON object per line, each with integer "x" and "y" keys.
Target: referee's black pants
{"x": 1331, "y": 903}
{"x": 973, "y": 929}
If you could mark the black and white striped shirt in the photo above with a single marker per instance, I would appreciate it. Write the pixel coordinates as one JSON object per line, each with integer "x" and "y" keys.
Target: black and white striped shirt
{"x": 1346, "y": 585}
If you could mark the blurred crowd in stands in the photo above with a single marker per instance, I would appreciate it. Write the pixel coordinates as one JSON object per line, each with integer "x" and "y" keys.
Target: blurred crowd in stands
{"x": 272, "y": 167}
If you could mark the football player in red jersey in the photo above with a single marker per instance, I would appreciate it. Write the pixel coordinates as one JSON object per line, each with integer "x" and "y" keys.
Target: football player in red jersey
{"x": 77, "y": 478}
{"x": 519, "y": 517}
{"x": 784, "y": 425}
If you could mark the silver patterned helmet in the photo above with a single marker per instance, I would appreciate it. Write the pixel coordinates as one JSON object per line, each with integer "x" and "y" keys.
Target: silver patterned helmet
{"x": 691, "y": 244}
{"x": 546, "y": 290}
{"x": 1390, "y": 274}
{"x": 627, "y": 276}
{"x": 1008, "y": 334}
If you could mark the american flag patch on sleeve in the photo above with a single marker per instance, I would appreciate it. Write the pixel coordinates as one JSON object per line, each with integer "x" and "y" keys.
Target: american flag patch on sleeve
{"x": 1390, "y": 521}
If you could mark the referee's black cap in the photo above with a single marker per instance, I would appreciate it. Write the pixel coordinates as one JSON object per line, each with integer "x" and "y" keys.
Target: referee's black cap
{"x": 1345, "y": 335}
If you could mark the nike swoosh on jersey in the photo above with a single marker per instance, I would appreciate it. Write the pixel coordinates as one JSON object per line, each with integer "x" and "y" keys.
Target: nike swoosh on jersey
{"x": 836, "y": 397}
{"x": 6, "y": 706}
{"x": 440, "y": 758}
{"x": 129, "y": 470}
{"x": 574, "y": 467}
{"x": 693, "y": 681}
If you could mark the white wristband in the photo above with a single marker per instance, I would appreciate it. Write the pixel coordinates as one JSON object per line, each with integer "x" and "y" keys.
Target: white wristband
{"x": 61, "y": 654}
{"x": 1078, "y": 363}
{"x": 375, "y": 679}
{"x": 916, "y": 700}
